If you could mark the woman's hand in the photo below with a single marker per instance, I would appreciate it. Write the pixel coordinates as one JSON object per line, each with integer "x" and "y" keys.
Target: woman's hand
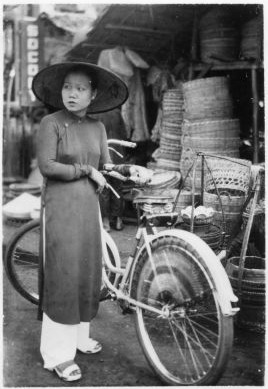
{"x": 99, "y": 179}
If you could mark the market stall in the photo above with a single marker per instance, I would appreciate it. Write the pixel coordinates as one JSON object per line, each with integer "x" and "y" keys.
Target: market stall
{"x": 196, "y": 103}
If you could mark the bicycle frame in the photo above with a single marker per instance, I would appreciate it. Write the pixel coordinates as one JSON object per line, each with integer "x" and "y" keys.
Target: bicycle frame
{"x": 225, "y": 299}
{"x": 120, "y": 292}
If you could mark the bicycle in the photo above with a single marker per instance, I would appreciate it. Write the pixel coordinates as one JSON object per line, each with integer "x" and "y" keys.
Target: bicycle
{"x": 181, "y": 297}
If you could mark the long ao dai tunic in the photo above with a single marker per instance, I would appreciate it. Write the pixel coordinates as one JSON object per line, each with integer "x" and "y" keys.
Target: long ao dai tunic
{"x": 73, "y": 256}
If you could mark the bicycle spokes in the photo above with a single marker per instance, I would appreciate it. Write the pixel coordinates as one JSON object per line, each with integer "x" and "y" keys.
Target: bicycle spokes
{"x": 182, "y": 342}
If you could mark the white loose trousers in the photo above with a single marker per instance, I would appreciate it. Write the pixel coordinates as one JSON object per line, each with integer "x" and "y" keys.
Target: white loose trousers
{"x": 59, "y": 342}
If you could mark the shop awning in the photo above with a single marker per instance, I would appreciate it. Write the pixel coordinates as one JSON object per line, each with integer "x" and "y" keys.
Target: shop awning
{"x": 158, "y": 32}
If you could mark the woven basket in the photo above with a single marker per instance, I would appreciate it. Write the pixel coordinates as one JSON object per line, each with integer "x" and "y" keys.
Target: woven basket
{"x": 212, "y": 32}
{"x": 215, "y": 50}
{"x": 232, "y": 204}
{"x": 185, "y": 198}
{"x": 217, "y": 86}
{"x": 251, "y": 316}
{"x": 231, "y": 207}
{"x": 215, "y": 144}
{"x": 252, "y": 39}
{"x": 198, "y": 221}
{"x": 218, "y": 36}
{"x": 209, "y": 108}
{"x": 217, "y": 16}
{"x": 233, "y": 174}
{"x": 212, "y": 128}
{"x": 207, "y": 98}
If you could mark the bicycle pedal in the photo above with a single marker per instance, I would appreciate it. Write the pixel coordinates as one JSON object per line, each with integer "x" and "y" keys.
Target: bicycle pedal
{"x": 125, "y": 307}
{"x": 127, "y": 310}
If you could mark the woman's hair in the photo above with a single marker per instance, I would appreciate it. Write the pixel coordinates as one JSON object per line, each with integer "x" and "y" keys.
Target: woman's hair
{"x": 86, "y": 71}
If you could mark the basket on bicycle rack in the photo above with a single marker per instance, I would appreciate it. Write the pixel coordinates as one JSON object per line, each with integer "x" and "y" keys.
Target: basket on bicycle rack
{"x": 201, "y": 215}
{"x": 228, "y": 175}
{"x": 226, "y": 188}
{"x": 198, "y": 221}
{"x": 153, "y": 203}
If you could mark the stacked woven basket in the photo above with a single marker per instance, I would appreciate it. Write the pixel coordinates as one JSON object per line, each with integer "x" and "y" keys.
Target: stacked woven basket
{"x": 252, "y": 39}
{"x": 219, "y": 38}
{"x": 209, "y": 125}
{"x": 168, "y": 155}
{"x": 222, "y": 39}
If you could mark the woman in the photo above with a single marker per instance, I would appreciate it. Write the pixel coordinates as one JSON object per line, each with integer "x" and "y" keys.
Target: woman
{"x": 71, "y": 147}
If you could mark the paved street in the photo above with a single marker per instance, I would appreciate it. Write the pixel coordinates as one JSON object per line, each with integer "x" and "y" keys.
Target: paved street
{"x": 121, "y": 362}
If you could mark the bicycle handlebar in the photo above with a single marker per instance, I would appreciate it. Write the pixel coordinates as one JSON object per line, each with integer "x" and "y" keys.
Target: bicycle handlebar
{"x": 119, "y": 142}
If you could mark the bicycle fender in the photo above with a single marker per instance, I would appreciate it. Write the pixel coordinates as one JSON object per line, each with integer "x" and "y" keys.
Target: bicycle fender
{"x": 111, "y": 244}
{"x": 225, "y": 295}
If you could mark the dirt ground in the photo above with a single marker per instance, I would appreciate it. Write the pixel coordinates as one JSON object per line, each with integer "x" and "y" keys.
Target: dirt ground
{"x": 121, "y": 362}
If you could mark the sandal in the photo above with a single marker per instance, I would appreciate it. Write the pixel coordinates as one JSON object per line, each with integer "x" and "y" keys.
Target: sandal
{"x": 68, "y": 371}
{"x": 92, "y": 347}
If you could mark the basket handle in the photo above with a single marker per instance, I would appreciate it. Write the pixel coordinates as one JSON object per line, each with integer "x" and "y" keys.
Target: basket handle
{"x": 225, "y": 193}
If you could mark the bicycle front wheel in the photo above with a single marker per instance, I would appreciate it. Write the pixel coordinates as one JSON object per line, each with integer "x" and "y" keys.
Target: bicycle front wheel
{"x": 191, "y": 341}
{"x": 21, "y": 260}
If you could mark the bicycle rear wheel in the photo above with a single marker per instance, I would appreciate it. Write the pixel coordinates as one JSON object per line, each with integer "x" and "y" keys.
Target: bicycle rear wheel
{"x": 190, "y": 343}
{"x": 21, "y": 260}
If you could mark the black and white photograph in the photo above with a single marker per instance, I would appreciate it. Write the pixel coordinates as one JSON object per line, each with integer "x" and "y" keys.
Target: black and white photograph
{"x": 133, "y": 194}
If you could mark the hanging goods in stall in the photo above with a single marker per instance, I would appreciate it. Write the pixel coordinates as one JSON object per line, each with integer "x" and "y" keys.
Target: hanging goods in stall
{"x": 252, "y": 39}
{"x": 219, "y": 36}
{"x": 115, "y": 60}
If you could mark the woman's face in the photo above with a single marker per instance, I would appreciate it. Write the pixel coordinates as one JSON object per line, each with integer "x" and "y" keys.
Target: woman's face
{"x": 77, "y": 92}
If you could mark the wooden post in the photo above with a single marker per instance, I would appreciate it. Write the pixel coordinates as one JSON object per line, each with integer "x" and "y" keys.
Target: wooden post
{"x": 202, "y": 178}
{"x": 193, "y": 47}
{"x": 255, "y": 109}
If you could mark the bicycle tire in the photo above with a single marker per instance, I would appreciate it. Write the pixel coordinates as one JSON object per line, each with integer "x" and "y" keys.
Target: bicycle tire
{"x": 21, "y": 262}
{"x": 193, "y": 344}
{"x": 104, "y": 293}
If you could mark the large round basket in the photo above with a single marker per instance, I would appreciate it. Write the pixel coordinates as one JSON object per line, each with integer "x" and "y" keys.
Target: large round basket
{"x": 188, "y": 156}
{"x": 217, "y": 16}
{"x": 216, "y": 49}
{"x": 228, "y": 210}
{"x": 225, "y": 128}
{"x": 252, "y": 39}
{"x": 211, "y": 145}
{"x": 184, "y": 199}
{"x": 218, "y": 36}
{"x": 252, "y": 300}
{"x": 207, "y": 98}
{"x": 210, "y": 233}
